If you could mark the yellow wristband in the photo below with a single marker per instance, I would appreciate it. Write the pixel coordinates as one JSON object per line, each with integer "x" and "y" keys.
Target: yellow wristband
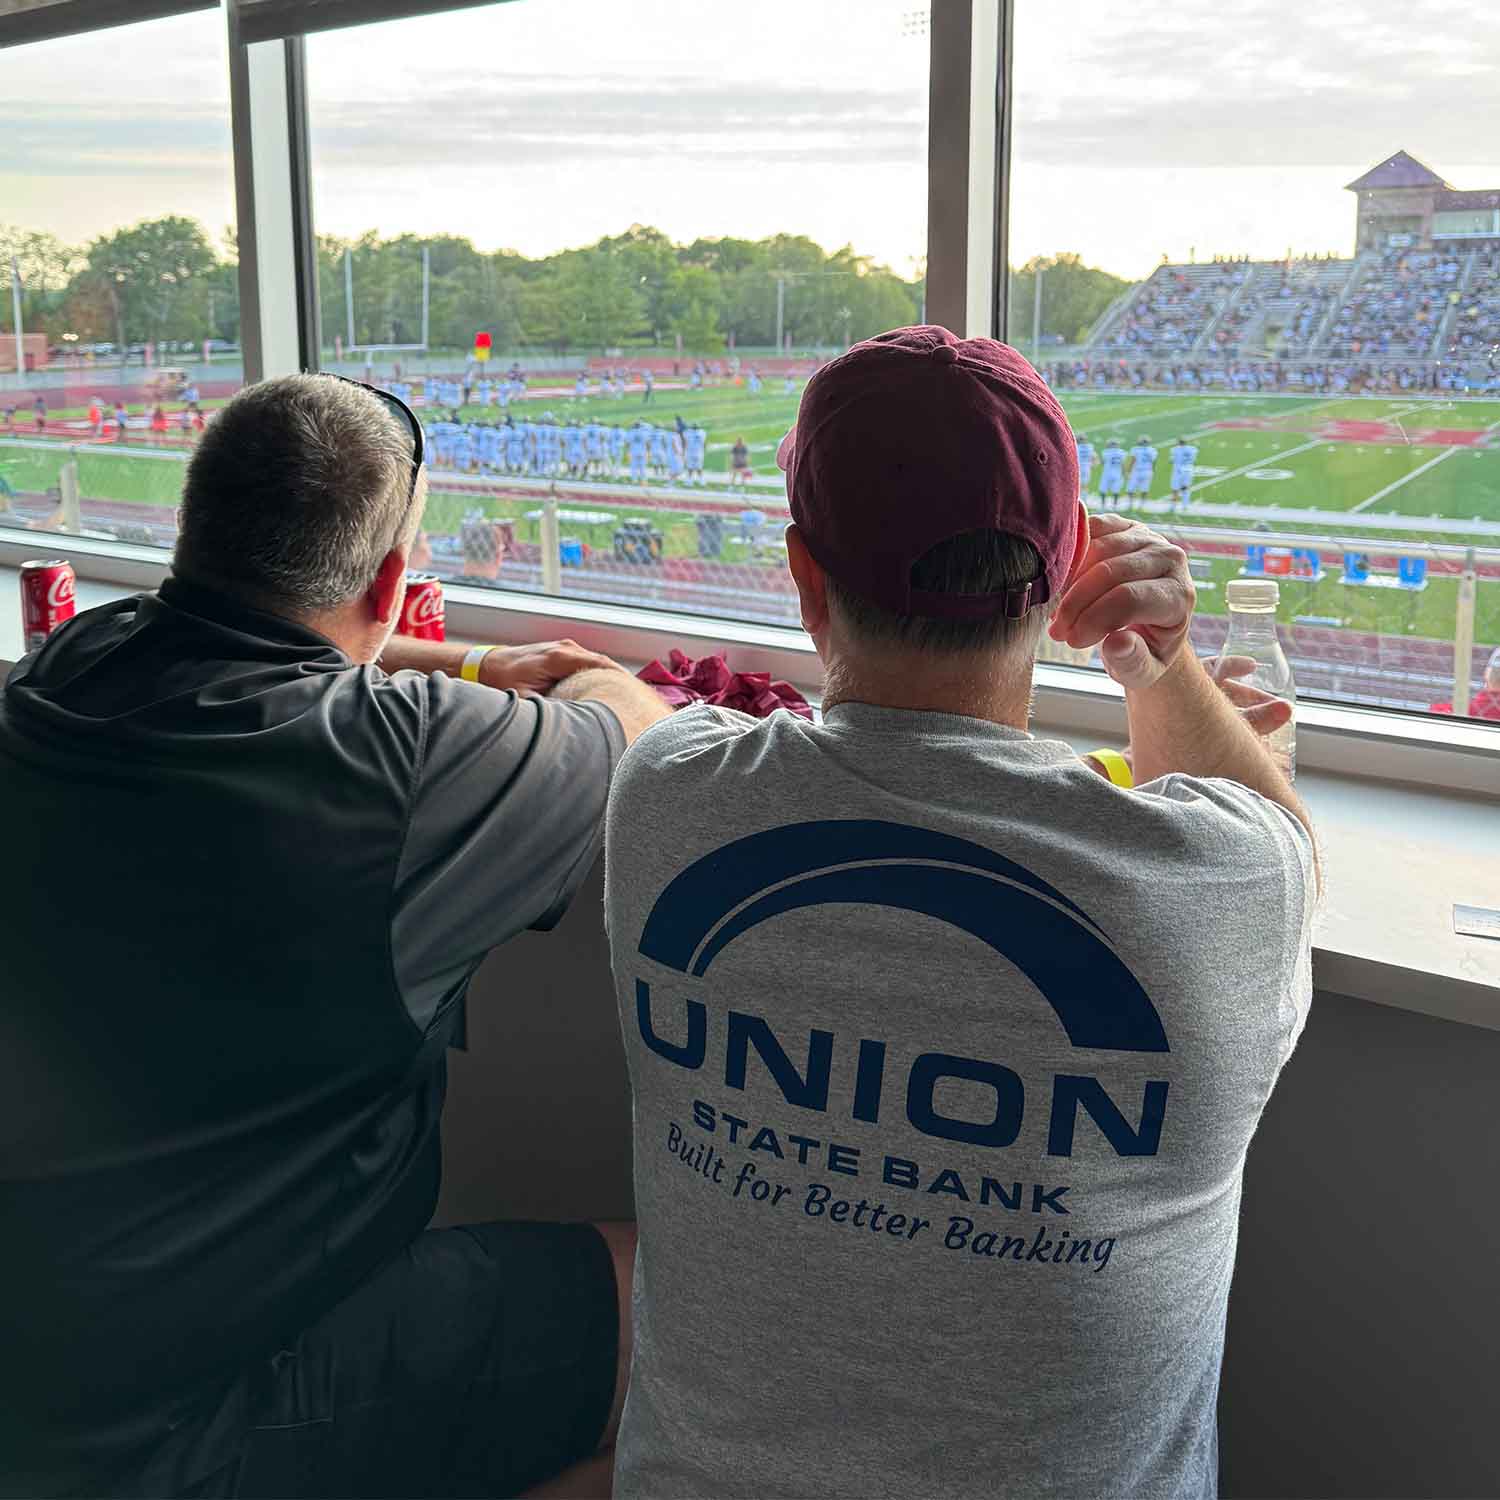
{"x": 473, "y": 660}
{"x": 1116, "y": 767}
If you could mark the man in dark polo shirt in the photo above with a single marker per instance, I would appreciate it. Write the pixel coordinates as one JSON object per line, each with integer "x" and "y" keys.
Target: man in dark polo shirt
{"x": 252, "y": 862}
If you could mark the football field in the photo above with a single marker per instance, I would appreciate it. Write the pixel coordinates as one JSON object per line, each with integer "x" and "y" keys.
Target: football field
{"x": 1423, "y": 461}
{"x": 1393, "y": 469}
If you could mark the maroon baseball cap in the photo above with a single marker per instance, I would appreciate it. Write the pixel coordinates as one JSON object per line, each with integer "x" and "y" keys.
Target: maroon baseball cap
{"x": 916, "y": 436}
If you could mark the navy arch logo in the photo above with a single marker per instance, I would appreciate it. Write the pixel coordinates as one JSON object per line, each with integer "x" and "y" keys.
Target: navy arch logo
{"x": 1066, "y": 955}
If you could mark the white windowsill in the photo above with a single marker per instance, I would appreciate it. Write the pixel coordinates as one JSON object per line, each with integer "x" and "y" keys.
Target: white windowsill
{"x": 1408, "y": 810}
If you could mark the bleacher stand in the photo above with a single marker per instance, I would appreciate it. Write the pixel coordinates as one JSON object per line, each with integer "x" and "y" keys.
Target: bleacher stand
{"x": 1284, "y": 307}
{"x": 1402, "y": 320}
{"x": 1475, "y": 331}
{"x": 1172, "y": 309}
{"x": 1397, "y": 306}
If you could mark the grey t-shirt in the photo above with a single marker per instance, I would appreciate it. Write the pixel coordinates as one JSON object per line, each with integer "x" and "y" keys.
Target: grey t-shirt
{"x": 946, "y": 1055}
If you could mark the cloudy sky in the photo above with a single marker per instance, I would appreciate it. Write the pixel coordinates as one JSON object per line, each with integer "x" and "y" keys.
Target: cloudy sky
{"x": 1140, "y": 129}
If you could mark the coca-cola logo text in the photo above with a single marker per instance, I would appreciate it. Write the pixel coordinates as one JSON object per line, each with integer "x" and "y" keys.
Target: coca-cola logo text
{"x": 61, "y": 591}
{"x": 424, "y": 608}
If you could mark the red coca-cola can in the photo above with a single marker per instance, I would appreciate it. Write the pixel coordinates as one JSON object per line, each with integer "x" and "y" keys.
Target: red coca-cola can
{"x": 422, "y": 612}
{"x": 48, "y": 597}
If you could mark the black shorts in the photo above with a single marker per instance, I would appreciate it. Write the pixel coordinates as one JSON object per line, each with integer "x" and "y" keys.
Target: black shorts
{"x": 478, "y": 1362}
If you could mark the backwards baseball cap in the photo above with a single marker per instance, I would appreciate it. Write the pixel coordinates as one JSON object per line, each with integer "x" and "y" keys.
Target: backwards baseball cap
{"x": 916, "y": 436}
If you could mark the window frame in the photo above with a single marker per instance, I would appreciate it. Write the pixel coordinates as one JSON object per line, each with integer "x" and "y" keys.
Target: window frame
{"x": 969, "y": 141}
{"x": 1365, "y": 743}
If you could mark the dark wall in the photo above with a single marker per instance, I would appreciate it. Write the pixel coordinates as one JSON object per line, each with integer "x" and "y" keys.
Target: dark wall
{"x": 1363, "y": 1354}
{"x": 538, "y": 1117}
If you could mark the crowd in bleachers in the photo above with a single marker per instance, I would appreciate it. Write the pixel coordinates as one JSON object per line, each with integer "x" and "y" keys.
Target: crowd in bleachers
{"x": 1398, "y": 305}
{"x": 1456, "y": 377}
{"x": 1476, "y": 325}
{"x": 1170, "y": 312}
{"x": 1403, "y": 320}
{"x": 1292, "y": 301}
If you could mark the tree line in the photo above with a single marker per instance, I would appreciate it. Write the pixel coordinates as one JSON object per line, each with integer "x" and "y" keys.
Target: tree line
{"x": 161, "y": 279}
{"x": 636, "y": 288}
{"x": 165, "y": 280}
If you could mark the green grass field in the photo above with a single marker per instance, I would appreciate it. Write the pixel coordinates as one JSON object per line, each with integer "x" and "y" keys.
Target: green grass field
{"x": 1281, "y": 464}
{"x": 1308, "y": 453}
{"x": 1262, "y": 460}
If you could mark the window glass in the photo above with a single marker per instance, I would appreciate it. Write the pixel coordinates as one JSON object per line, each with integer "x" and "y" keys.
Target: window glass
{"x": 601, "y": 247}
{"x": 117, "y": 243}
{"x": 1222, "y": 256}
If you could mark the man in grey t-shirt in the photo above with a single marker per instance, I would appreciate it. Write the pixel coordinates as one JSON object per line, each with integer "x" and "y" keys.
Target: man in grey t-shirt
{"x": 946, "y": 1049}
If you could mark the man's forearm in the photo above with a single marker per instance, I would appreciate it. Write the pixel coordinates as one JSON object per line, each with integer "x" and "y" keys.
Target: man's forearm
{"x": 1183, "y": 722}
{"x": 522, "y": 669}
{"x": 405, "y": 653}
{"x": 635, "y": 704}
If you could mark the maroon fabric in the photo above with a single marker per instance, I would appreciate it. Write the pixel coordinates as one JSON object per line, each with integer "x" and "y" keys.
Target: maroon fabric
{"x": 915, "y": 436}
{"x": 709, "y": 680}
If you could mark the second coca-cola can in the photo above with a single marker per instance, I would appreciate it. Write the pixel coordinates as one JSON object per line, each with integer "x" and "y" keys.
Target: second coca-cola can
{"x": 48, "y": 597}
{"x": 422, "y": 613}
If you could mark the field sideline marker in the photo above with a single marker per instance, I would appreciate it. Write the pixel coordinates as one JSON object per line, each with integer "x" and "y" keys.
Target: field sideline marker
{"x": 1431, "y": 463}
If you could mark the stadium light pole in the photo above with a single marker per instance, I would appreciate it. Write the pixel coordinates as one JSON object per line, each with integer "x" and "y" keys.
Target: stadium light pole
{"x": 782, "y": 277}
{"x": 1036, "y": 315}
{"x": 15, "y": 304}
{"x": 426, "y": 294}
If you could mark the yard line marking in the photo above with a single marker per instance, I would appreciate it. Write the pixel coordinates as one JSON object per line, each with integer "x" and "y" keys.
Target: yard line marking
{"x": 1431, "y": 463}
{"x": 1269, "y": 458}
{"x": 1258, "y": 463}
{"x": 1169, "y": 409}
{"x": 1186, "y": 404}
{"x": 86, "y": 450}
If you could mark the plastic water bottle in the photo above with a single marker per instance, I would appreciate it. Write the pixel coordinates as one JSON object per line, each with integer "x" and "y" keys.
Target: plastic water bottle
{"x": 1252, "y": 634}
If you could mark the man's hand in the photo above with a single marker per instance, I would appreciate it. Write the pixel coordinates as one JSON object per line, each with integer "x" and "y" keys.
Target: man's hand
{"x": 1264, "y": 712}
{"x": 538, "y": 668}
{"x": 1133, "y": 598}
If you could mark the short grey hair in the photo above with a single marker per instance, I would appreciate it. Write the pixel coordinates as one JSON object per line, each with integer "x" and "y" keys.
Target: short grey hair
{"x": 296, "y": 491}
{"x": 974, "y": 562}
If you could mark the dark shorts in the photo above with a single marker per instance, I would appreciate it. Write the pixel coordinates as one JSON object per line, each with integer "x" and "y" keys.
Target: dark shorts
{"x": 479, "y": 1362}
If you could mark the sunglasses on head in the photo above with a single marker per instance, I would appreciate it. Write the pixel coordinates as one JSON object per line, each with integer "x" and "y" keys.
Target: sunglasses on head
{"x": 396, "y": 404}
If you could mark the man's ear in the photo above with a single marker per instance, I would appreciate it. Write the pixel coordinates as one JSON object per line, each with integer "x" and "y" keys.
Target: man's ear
{"x": 1080, "y": 543}
{"x": 387, "y": 593}
{"x": 812, "y": 589}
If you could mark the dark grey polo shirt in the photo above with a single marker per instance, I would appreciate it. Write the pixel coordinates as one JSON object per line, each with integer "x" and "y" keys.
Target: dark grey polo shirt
{"x": 245, "y": 885}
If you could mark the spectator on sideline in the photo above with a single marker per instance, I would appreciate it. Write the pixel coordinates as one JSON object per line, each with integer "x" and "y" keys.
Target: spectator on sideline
{"x": 946, "y": 1051}
{"x": 268, "y": 844}
{"x": 1485, "y": 704}
{"x": 739, "y": 463}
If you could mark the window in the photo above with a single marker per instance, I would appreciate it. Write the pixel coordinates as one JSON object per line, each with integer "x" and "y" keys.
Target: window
{"x": 117, "y": 245}
{"x": 599, "y": 248}
{"x": 1217, "y": 249}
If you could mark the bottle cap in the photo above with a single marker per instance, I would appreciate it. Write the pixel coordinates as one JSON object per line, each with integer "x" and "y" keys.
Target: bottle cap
{"x": 1252, "y": 593}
